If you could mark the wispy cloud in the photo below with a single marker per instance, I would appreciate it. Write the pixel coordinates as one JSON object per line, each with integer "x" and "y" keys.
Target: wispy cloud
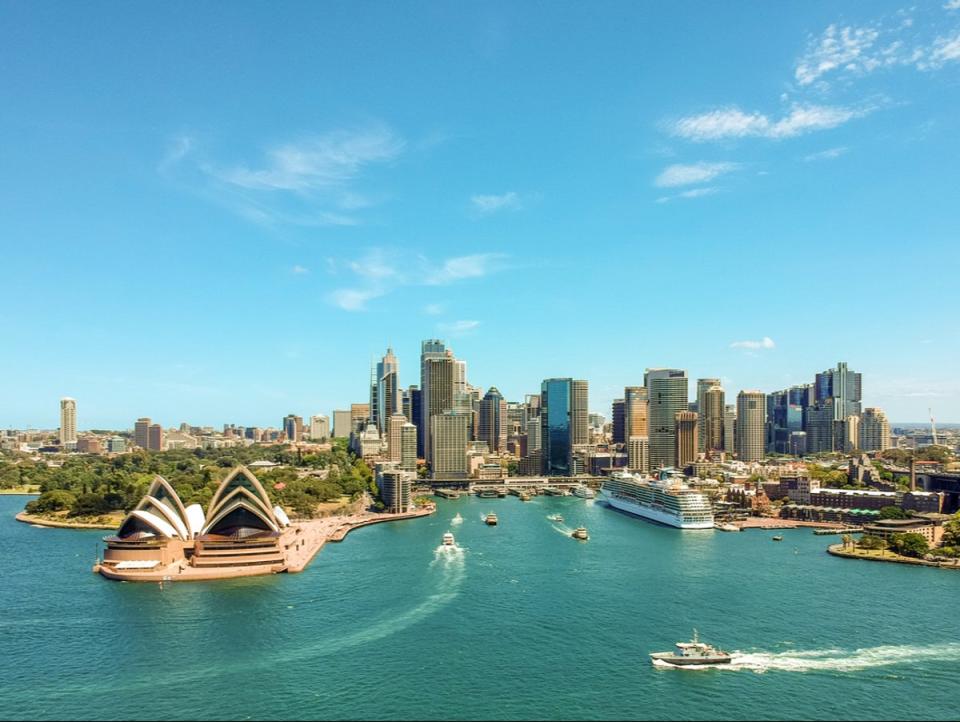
{"x": 380, "y": 272}
{"x": 731, "y": 122}
{"x": 458, "y": 328}
{"x": 952, "y": 5}
{"x": 299, "y": 270}
{"x": 828, "y": 154}
{"x": 487, "y": 204}
{"x": 692, "y": 193}
{"x": 765, "y": 343}
{"x": 689, "y": 174}
{"x": 433, "y": 309}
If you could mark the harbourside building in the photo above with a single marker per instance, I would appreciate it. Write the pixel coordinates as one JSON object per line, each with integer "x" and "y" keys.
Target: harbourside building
{"x": 68, "y": 421}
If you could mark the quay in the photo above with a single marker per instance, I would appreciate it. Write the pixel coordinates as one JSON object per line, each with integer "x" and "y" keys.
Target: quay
{"x": 764, "y": 522}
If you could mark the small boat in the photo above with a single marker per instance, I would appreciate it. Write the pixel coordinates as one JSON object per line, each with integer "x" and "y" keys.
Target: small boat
{"x": 491, "y": 519}
{"x": 778, "y": 537}
{"x": 457, "y": 519}
{"x": 728, "y": 527}
{"x": 524, "y": 496}
{"x": 487, "y": 494}
{"x": 555, "y": 517}
{"x": 580, "y": 533}
{"x": 693, "y": 652}
{"x": 584, "y": 492}
{"x": 448, "y": 540}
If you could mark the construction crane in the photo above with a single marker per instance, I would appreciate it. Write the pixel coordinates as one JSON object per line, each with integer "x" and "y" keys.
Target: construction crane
{"x": 933, "y": 427}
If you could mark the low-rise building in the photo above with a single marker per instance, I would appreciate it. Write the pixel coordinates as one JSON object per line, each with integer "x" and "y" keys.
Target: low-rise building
{"x": 886, "y": 528}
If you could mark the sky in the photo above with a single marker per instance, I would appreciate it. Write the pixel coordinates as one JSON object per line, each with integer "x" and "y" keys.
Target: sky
{"x": 222, "y": 212}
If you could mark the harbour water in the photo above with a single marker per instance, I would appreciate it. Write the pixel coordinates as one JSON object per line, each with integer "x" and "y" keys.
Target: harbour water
{"x": 519, "y": 622}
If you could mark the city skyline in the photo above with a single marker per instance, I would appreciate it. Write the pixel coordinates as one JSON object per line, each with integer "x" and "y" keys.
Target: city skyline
{"x": 510, "y": 199}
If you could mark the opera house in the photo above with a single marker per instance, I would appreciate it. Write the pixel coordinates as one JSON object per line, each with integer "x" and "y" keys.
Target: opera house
{"x": 241, "y": 534}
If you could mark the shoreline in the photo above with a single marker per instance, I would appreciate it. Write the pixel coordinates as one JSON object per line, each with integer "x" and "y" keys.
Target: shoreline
{"x": 763, "y": 522}
{"x": 837, "y": 550}
{"x": 53, "y": 524}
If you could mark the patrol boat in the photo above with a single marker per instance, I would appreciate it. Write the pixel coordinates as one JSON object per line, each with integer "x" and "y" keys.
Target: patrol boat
{"x": 693, "y": 652}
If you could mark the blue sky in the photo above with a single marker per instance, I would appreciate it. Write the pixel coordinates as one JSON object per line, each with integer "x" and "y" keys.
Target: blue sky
{"x": 221, "y": 212}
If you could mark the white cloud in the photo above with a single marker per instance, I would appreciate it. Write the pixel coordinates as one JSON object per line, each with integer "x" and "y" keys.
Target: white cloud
{"x": 846, "y": 48}
{"x": 433, "y": 309}
{"x": 765, "y": 343}
{"x": 486, "y": 204}
{"x": 692, "y": 193}
{"x": 458, "y": 328}
{"x": 322, "y": 162}
{"x": 460, "y": 267}
{"x": 828, "y": 154}
{"x": 943, "y": 51}
{"x": 299, "y": 270}
{"x": 681, "y": 174}
{"x": 354, "y": 299}
{"x": 952, "y": 5}
{"x": 732, "y": 122}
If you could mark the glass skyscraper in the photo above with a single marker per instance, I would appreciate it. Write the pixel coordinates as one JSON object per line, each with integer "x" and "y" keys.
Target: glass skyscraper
{"x": 555, "y": 426}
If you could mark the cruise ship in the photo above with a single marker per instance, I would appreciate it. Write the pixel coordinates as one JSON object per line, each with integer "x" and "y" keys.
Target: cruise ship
{"x": 665, "y": 499}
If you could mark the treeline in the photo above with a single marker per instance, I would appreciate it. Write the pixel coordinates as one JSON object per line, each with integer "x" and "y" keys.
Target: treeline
{"x": 91, "y": 485}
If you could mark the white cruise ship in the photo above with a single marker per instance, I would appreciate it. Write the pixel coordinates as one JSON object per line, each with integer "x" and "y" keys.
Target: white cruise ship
{"x": 666, "y": 499}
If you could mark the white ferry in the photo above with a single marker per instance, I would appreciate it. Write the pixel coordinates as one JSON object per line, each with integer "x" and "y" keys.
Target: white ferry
{"x": 665, "y": 499}
{"x": 448, "y": 540}
{"x": 584, "y": 491}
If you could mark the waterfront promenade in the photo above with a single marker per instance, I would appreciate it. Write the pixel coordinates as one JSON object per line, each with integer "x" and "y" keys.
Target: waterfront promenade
{"x": 764, "y": 522}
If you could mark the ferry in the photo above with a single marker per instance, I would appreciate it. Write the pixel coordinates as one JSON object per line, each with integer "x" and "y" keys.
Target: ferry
{"x": 580, "y": 533}
{"x": 448, "y": 540}
{"x": 665, "y": 499}
{"x": 584, "y": 492}
{"x": 693, "y": 652}
{"x": 491, "y": 519}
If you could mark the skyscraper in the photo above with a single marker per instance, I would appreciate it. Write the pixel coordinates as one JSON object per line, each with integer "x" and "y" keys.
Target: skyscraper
{"x": 395, "y": 437}
{"x": 388, "y": 389}
{"x": 342, "y": 425}
{"x": 448, "y": 447}
{"x": 359, "y": 416}
{"x": 841, "y": 385}
{"x": 432, "y": 348}
{"x": 638, "y": 454}
{"x": 686, "y": 422}
{"x": 319, "y": 428}
{"x": 293, "y": 427}
{"x": 711, "y": 419}
{"x": 874, "y": 430}
{"x": 492, "y": 422}
{"x": 636, "y": 411}
{"x": 667, "y": 391}
{"x": 556, "y": 433}
{"x": 579, "y": 412}
{"x": 751, "y": 419}
{"x": 155, "y": 437}
{"x": 68, "y": 421}
{"x": 730, "y": 428}
{"x": 141, "y": 432}
{"x": 703, "y": 386}
{"x": 408, "y": 447}
{"x": 619, "y": 430}
{"x": 438, "y": 392}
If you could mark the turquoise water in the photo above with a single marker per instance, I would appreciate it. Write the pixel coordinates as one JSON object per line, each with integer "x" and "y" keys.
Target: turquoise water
{"x": 525, "y": 623}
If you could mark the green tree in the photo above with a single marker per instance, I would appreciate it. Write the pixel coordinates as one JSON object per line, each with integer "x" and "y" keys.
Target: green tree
{"x": 893, "y": 512}
{"x": 57, "y": 500}
{"x": 869, "y": 541}
{"x": 910, "y": 544}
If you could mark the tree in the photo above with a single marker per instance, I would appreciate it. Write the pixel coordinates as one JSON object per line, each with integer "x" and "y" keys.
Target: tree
{"x": 56, "y": 500}
{"x": 910, "y": 544}
{"x": 868, "y": 541}
{"x": 893, "y": 512}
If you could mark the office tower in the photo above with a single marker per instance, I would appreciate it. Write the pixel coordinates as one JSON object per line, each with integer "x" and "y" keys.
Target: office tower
{"x": 751, "y": 419}
{"x": 319, "y": 428}
{"x": 874, "y": 430}
{"x": 293, "y": 427}
{"x": 408, "y": 447}
{"x": 729, "y": 428}
{"x": 388, "y": 390}
{"x": 820, "y": 433}
{"x": 342, "y": 424}
{"x": 429, "y": 349}
{"x": 359, "y": 416}
{"x": 438, "y": 393}
{"x": 638, "y": 454}
{"x": 579, "y": 412}
{"x": 449, "y": 435}
{"x": 711, "y": 418}
{"x": 155, "y": 437}
{"x": 68, "y": 421}
{"x": 841, "y": 385}
{"x": 635, "y": 411}
{"x": 667, "y": 394}
{"x": 516, "y": 418}
{"x": 851, "y": 433}
{"x": 492, "y": 422}
{"x": 618, "y": 431}
{"x": 798, "y": 443}
{"x": 141, "y": 432}
{"x": 703, "y": 386}
{"x": 556, "y": 433}
{"x": 533, "y": 435}
{"x": 687, "y": 435}
{"x": 395, "y": 437}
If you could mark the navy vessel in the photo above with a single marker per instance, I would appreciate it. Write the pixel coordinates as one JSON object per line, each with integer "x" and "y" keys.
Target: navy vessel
{"x": 693, "y": 652}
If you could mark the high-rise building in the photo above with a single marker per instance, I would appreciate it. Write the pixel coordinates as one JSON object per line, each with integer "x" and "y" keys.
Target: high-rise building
{"x": 638, "y": 454}
{"x": 751, "y": 420}
{"x": 429, "y": 349}
{"x": 841, "y": 385}
{"x": 395, "y": 437}
{"x": 729, "y": 428}
{"x": 851, "y": 433}
{"x": 493, "y": 420}
{"x": 579, "y": 412}
{"x": 342, "y": 424}
{"x": 820, "y": 432}
{"x": 711, "y": 418}
{"x": 449, "y": 435}
{"x": 667, "y": 393}
{"x": 533, "y": 434}
{"x": 703, "y": 386}
{"x": 68, "y": 421}
{"x": 619, "y": 429}
{"x": 155, "y": 437}
{"x": 686, "y": 422}
{"x": 635, "y": 411}
{"x": 141, "y": 432}
{"x": 359, "y": 417}
{"x": 408, "y": 447}
{"x": 556, "y": 432}
{"x": 438, "y": 393}
{"x": 874, "y": 430}
{"x": 319, "y": 428}
{"x": 293, "y": 427}
{"x": 388, "y": 394}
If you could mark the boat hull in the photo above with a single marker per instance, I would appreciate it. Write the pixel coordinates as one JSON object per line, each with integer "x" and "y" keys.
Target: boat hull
{"x": 676, "y": 661}
{"x": 662, "y": 517}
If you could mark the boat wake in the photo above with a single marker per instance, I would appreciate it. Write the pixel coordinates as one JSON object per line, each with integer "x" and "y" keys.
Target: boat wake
{"x": 830, "y": 660}
{"x": 457, "y": 520}
{"x": 561, "y": 529}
